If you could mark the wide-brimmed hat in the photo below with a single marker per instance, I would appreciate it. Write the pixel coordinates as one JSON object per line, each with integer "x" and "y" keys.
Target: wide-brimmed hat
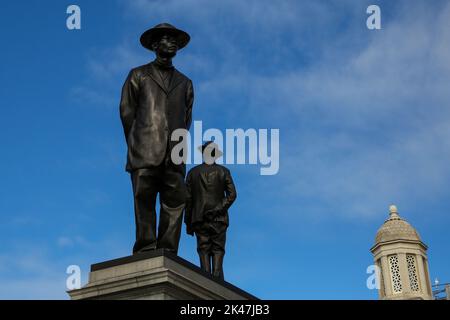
{"x": 152, "y": 34}
{"x": 213, "y": 151}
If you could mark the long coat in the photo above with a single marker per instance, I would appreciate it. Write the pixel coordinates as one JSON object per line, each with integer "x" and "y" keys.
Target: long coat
{"x": 150, "y": 112}
{"x": 210, "y": 188}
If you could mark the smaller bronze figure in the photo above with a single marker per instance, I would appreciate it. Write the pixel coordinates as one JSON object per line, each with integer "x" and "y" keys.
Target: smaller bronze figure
{"x": 210, "y": 193}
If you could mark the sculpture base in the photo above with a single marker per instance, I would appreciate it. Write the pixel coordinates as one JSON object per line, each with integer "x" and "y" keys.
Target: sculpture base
{"x": 154, "y": 275}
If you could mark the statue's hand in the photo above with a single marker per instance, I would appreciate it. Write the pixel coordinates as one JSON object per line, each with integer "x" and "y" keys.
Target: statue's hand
{"x": 211, "y": 214}
{"x": 189, "y": 231}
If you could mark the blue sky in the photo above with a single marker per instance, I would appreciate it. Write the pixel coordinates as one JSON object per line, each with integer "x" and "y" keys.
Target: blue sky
{"x": 364, "y": 122}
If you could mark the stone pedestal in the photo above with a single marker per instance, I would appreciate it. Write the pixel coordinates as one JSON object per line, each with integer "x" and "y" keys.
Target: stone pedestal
{"x": 154, "y": 275}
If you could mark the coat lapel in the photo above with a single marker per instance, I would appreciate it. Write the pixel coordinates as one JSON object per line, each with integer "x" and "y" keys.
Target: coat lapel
{"x": 153, "y": 73}
{"x": 177, "y": 78}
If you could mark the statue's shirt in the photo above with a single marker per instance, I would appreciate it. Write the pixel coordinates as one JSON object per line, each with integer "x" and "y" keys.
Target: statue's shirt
{"x": 165, "y": 72}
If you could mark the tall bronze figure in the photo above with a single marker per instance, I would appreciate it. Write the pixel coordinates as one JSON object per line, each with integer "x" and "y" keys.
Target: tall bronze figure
{"x": 211, "y": 192}
{"x": 156, "y": 100}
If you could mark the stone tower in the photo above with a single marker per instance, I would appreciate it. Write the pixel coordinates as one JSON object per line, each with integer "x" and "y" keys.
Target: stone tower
{"x": 402, "y": 260}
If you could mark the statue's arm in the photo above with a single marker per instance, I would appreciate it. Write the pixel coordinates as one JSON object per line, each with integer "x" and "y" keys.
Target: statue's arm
{"x": 128, "y": 103}
{"x": 188, "y": 208}
{"x": 189, "y": 104}
{"x": 230, "y": 191}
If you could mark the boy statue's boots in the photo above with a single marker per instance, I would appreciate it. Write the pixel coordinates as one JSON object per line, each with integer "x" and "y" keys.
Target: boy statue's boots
{"x": 217, "y": 264}
{"x": 205, "y": 262}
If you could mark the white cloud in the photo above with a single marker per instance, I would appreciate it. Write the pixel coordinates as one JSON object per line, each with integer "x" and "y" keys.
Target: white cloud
{"x": 376, "y": 126}
{"x": 71, "y": 241}
{"x": 38, "y": 270}
{"x": 106, "y": 70}
{"x": 31, "y": 274}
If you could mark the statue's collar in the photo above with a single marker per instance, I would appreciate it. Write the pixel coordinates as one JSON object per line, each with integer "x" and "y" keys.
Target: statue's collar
{"x": 162, "y": 64}
{"x": 176, "y": 78}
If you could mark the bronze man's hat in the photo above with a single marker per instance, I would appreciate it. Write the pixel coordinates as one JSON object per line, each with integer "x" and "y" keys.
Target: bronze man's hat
{"x": 212, "y": 150}
{"x": 152, "y": 34}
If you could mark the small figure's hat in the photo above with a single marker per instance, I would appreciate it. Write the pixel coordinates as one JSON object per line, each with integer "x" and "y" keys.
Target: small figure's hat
{"x": 152, "y": 34}
{"x": 212, "y": 151}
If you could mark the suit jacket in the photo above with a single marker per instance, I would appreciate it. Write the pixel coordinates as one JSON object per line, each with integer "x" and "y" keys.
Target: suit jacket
{"x": 209, "y": 188}
{"x": 150, "y": 112}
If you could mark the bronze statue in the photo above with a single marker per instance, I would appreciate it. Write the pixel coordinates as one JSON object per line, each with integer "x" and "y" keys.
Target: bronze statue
{"x": 210, "y": 192}
{"x": 156, "y": 100}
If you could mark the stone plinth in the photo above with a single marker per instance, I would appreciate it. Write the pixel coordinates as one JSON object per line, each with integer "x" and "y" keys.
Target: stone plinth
{"x": 154, "y": 275}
